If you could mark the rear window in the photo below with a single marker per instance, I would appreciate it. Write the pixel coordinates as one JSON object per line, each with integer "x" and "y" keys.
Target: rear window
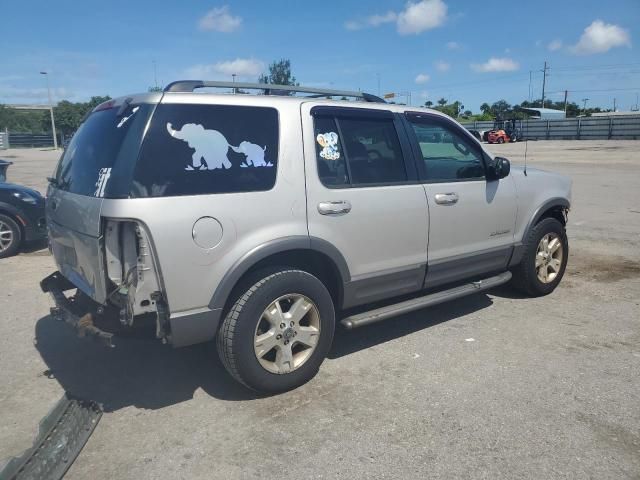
{"x": 207, "y": 149}
{"x": 107, "y": 137}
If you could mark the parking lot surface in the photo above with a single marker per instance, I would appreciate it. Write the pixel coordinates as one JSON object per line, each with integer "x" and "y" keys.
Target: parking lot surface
{"x": 491, "y": 386}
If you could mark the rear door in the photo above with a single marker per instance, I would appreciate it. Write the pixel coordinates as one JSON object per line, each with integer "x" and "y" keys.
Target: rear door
{"x": 364, "y": 198}
{"x": 472, "y": 218}
{"x": 97, "y": 162}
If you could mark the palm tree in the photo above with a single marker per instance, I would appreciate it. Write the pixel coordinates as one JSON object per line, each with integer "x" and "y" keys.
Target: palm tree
{"x": 428, "y": 104}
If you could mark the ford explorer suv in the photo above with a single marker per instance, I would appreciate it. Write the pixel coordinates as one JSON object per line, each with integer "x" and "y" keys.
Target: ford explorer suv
{"x": 262, "y": 220}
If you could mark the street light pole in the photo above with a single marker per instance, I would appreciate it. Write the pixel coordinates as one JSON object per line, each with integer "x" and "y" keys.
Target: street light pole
{"x": 53, "y": 122}
{"x": 584, "y": 105}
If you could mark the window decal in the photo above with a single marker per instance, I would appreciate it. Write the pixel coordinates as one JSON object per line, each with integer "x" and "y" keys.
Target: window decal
{"x": 329, "y": 142}
{"x": 103, "y": 176}
{"x": 212, "y": 148}
{"x": 254, "y": 153}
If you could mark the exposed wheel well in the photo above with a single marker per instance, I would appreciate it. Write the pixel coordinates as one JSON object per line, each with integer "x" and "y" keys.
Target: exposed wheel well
{"x": 312, "y": 261}
{"x": 558, "y": 212}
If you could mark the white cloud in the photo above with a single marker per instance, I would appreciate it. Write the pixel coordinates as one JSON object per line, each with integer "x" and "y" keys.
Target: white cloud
{"x": 422, "y": 78}
{"x": 600, "y": 37}
{"x": 371, "y": 21}
{"x": 554, "y": 45}
{"x": 220, "y": 19}
{"x": 415, "y": 18}
{"x": 421, "y": 16}
{"x": 453, "y": 46}
{"x": 496, "y": 65}
{"x": 242, "y": 67}
{"x": 442, "y": 66}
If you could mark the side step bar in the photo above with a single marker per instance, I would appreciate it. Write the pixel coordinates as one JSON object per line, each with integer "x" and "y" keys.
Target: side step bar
{"x": 379, "y": 314}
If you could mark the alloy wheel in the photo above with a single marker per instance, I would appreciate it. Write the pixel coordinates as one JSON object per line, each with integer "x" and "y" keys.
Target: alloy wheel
{"x": 549, "y": 257}
{"x": 287, "y": 333}
{"x": 6, "y": 236}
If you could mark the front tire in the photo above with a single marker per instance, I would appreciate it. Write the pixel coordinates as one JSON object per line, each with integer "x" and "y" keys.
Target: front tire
{"x": 10, "y": 236}
{"x": 278, "y": 332}
{"x": 545, "y": 259}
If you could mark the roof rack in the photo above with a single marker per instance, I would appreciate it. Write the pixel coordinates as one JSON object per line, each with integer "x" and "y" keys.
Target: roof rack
{"x": 268, "y": 89}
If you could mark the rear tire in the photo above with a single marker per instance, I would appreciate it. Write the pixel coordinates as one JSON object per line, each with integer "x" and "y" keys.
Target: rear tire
{"x": 545, "y": 259}
{"x": 278, "y": 332}
{"x": 10, "y": 236}
{"x": 500, "y": 140}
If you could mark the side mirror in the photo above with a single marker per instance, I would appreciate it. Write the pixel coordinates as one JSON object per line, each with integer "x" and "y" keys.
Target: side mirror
{"x": 499, "y": 168}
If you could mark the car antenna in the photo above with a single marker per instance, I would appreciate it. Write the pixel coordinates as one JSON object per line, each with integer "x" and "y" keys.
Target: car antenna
{"x": 526, "y": 145}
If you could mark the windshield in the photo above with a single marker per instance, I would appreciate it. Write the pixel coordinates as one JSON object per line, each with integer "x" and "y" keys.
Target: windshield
{"x": 106, "y": 138}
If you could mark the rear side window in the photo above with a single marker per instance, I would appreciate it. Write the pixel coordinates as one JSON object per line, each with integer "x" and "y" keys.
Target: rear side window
{"x": 358, "y": 151}
{"x": 206, "y": 149}
{"x": 105, "y": 138}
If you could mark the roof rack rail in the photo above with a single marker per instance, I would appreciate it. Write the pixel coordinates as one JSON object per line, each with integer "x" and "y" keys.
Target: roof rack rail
{"x": 268, "y": 89}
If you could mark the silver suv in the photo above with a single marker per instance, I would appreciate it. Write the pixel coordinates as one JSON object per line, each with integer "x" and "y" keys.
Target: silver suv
{"x": 258, "y": 220}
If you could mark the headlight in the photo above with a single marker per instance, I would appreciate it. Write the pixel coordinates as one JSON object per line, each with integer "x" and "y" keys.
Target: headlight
{"x": 26, "y": 197}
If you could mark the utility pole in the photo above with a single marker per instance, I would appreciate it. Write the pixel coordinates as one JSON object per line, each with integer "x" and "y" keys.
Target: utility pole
{"x": 544, "y": 80}
{"x": 614, "y": 104}
{"x": 530, "y": 89}
{"x": 584, "y": 105}
{"x": 53, "y": 122}
{"x": 565, "y": 102}
{"x": 378, "y": 76}
{"x": 233, "y": 76}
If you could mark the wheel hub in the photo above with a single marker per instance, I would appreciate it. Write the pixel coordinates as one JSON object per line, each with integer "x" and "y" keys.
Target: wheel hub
{"x": 288, "y": 333}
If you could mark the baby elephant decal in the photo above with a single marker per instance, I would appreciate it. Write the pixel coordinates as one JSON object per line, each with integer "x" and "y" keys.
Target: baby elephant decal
{"x": 209, "y": 145}
{"x": 329, "y": 142}
{"x": 254, "y": 154}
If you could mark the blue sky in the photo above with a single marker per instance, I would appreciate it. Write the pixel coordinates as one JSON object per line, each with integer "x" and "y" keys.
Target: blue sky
{"x": 467, "y": 50}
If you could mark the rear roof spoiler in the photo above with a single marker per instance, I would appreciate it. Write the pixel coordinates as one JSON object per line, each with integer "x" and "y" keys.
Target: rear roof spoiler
{"x": 269, "y": 89}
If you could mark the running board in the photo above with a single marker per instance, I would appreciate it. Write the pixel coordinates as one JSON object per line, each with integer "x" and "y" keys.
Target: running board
{"x": 379, "y": 314}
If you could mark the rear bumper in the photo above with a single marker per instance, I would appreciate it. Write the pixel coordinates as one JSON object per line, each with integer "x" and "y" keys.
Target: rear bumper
{"x": 78, "y": 311}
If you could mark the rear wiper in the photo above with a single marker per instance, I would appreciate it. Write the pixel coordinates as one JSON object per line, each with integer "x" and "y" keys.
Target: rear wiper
{"x": 124, "y": 106}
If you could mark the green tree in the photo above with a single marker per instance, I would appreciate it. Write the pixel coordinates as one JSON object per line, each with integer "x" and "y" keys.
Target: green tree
{"x": 279, "y": 74}
{"x": 154, "y": 89}
{"x": 501, "y": 109}
{"x": 485, "y": 108}
{"x": 428, "y": 104}
{"x": 442, "y": 102}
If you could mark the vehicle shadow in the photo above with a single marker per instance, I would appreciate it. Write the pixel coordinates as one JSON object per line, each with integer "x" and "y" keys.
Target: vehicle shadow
{"x": 346, "y": 342}
{"x": 139, "y": 372}
{"x": 147, "y": 374}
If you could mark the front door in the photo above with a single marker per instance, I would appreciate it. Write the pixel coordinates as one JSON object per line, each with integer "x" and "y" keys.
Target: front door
{"x": 363, "y": 197}
{"x": 471, "y": 219}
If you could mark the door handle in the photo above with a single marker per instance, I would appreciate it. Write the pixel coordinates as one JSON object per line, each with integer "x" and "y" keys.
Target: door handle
{"x": 334, "y": 208}
{"x": 446, "y": 198}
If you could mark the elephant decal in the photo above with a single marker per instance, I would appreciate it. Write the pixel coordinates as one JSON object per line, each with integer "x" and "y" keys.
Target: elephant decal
{"x": 209, "y": 145}
{"x": 212, "y": 148}
{"x": 254, "y": 154}
{"x": 329, "y": 143}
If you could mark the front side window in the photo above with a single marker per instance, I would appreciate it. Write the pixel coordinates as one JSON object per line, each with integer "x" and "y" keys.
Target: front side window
{"x": 207, "y": 149}
{"x": 358, "y": 151}
{"x": 447, "y": 154}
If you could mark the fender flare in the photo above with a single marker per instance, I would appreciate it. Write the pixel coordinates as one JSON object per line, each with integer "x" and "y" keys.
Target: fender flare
{"x": 279, "y": 245}
{"x": 518, "y": 251}
{"x": 13, "y": 211}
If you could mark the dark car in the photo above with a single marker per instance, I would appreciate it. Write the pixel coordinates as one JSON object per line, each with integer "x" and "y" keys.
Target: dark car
{"x": 22, "y": 217}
